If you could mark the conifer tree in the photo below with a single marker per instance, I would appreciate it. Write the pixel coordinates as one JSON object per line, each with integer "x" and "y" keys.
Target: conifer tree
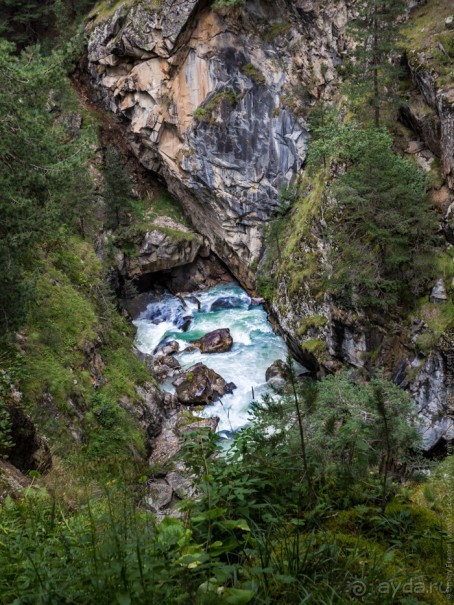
{"x": 383, "y": 235}
{"x": 38, "y": 163}
{"x": 118, "y": 191}
{"x": 375, "y": 31}
{"x": 22, "y": 20}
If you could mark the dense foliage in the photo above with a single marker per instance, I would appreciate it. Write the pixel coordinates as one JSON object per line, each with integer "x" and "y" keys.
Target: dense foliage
{"x": 118, "y": 191}
{"x": 41, "y": 168}
{"x": 372, "y": 73}
{"x": 247, "y": 537}
{"x": 381, "y": 230}
{"x": 24, "y": 22}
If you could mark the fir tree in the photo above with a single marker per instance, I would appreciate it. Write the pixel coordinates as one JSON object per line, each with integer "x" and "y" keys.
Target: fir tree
{"x": 38, "y": 166}
{"x": 382, "y": 237}
{"x": 22, "y": 20}
{"x": 118, "y": 191}
{"x": 375, "y": 31}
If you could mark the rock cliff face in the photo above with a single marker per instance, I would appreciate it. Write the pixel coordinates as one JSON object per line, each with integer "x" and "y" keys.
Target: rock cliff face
{"x": 210, "y": 103}
{"x": 430, "y": 114}
{"x": 165, "y": 244}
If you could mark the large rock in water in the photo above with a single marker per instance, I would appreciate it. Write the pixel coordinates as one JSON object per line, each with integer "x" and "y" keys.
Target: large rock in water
{"x": 218, "y": 341}
{"x": 277, "y": 370}
{"x": 201, "y": 385}
{"x": 206, "y": 96}
{"x": 227, "y": 302}
{"x": 164, "y": 366}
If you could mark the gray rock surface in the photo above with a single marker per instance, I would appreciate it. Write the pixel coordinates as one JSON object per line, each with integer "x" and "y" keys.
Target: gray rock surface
{"x": 209, "y": 104}
{"x": 438, "y": 294}
{"x": 164, "y": 366}
{"x": 278, "y": 369}
{"x": 200, "y": 385}
{"x": 166, "y": 245}
{"x": 217, "y": 341}
{"x": 433, "y": 391}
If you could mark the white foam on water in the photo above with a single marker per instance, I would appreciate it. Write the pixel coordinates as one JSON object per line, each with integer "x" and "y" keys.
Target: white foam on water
{"x": 255, "y": 346}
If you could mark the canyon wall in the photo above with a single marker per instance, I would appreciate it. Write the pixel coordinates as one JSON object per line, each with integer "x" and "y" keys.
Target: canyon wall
{"x": 213, "y": 101}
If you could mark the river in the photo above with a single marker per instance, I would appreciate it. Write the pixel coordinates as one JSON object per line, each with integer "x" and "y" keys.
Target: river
{"x": 255, "y": 346}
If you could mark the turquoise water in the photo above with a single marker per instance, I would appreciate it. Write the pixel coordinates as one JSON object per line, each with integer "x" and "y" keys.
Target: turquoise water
{"x": 255, "y": 346}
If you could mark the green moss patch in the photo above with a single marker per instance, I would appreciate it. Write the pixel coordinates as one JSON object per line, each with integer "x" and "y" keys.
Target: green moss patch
{"x": 424, "y": 33}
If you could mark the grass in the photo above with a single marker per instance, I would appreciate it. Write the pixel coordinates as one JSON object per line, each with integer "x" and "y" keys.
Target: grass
{"x": 293, "y": 258}
{"x": 166, "y": 205}
{"x": 73, "y": 321}
{"x": 438, "y": 317}
{"x": 300, "y": 258}
{"x": 105, "y": 9}
{"x": 306, "y": 209}
{"x": 311, "y": 323}
{"x": 146, "y": 214}
{"x": 254, "y": 74}
{"x": 422, "y": 34}
{"x": 315, "y": 346}
{"x": 275, "y": 30}
{"x": 207, "y": 111}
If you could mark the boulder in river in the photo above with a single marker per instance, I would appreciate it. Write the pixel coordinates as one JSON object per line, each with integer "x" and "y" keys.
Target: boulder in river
{"x": 165, "y": 366}
{"x": 200, "y": 385}
{"x": 167, "y": 348}
{"x": 277, "y": 370}
{"x": 185, "y": 323}
{"x": 218, "y": 341}
{"x": 227, "y": 302}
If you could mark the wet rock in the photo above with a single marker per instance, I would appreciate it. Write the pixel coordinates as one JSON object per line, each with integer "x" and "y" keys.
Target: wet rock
{"x": 186, "y": 323}
{"x": 227, "y": 302}
{"x": 256, "y": 301}
{"x": 218, "y": 341}
{"x": 195, "y": 301}
{"x": 230, "y": 387}
{"x": 167, "y": 348}
{"x": 438, "y": 294}
{"x": 165, "y": 366}
{"x": 200, "y": 385}
{"x": 278, "y": 369}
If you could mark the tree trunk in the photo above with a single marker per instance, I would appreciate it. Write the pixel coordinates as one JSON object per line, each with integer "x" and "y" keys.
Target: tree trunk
{"x": 375, "y": 72}
{"x": 302, "y": 439}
